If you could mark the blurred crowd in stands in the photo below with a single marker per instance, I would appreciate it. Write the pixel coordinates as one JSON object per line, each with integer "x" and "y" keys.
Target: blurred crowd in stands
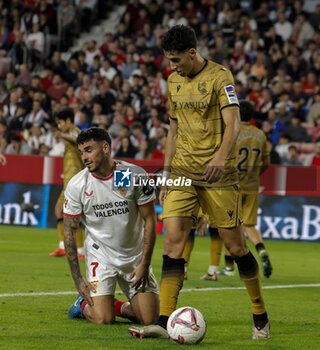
{"x": 272, "y": 48}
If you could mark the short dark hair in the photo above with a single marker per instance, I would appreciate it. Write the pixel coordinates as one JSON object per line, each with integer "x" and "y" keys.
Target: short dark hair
{"x": 65, "y": 113}
{"x": 293, "y": 147}
{"x": 246, "y": 110}
{"x": 179, "y": 38}
{"x": 95, "y": 134}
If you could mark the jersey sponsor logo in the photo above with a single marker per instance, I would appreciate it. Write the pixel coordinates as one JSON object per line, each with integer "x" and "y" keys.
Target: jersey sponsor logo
{"x": 111, "y": 212}
{"x": 202, "y": 87}
{"x": 231, "y": 94}
{"x": 111, "y": 209}
{"x": 122, "y": 178}
{"x": 190, "y": 105}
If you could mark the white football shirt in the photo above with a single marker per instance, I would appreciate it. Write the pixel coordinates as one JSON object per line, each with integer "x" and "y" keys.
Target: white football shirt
{"x": 114, "y": 226}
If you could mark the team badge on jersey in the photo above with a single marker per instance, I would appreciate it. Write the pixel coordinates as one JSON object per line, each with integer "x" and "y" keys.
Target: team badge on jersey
{"x": 202, "y": 88}
{"x": 122, "y": 178}
{"x": 122, "y": 191}
{"x": 231, "y": 94}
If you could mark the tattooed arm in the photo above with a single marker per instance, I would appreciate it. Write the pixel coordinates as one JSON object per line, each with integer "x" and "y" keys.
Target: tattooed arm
{"x": 141, "y": 271}
{"x": 70, "y": 228}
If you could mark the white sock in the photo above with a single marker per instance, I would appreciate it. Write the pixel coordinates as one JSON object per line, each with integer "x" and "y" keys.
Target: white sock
{"x": 61, "y": 245}
{"x": 212, "y": 269}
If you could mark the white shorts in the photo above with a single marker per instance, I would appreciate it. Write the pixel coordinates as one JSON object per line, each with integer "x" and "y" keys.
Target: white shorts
{"x": 104, "y": 277}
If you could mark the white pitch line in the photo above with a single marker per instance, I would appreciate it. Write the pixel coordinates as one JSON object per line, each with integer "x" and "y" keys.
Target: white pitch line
{"x": 285, "y": 286}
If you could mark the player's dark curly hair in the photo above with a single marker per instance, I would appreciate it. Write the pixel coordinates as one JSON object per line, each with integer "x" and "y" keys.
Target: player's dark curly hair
{"x": 65, "y": 113}
{"x": 95, "y": 134}
{"x": 246, "y": 110}
{"x": 179, "y": 38}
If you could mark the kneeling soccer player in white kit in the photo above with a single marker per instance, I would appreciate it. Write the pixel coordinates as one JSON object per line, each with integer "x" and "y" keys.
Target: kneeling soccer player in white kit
{"x": 120, "y": 226}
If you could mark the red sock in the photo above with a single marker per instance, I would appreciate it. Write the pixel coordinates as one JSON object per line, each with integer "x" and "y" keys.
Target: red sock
{"x": 117, "y": 307}
{"x": 83, "y": 305}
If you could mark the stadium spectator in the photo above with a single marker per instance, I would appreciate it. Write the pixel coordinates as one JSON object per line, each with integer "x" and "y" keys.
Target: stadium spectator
{"x": 57, "y": 64}
{"x": 105, "y": 97}
{"x": 85, "y": 10}
{"x": 28, "y": 19}
{"x": 19, "y": 52}
{"x": 57, "y": 144}
{"x": 316, "y": 130}
{"x": 58, "y": 88}
{"x": 292, "y": 158}
{"x": 126, "y": 149}
{"x": 24, "y": 77}
{"x": 137, "y": 134}
{"x": 17, "y": 144}
{"x": 11, "y": 107}
{"x": 283, "y": 145}
{"x": 35, "y": 41}
{"x": 107, "y": 71}
{"x": 66, "y": 16}
{"x": 274, "y": 155}
{"x": 283, "y": 27}
{"x": 3, "y": 134}
{"x": 314, "y": 158}
{"x": 91, "y": 51}
{"x": 37, "y": 115}
{"x": 296, "y": 131}
{"x": 83, "y": 122}
{"x": 302, "y": 30}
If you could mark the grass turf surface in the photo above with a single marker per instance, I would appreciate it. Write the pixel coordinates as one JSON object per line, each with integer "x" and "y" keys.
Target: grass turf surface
{"x": 40, "y": 322}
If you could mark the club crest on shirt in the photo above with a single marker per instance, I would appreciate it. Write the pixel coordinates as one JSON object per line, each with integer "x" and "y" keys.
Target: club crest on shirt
{"x": 202, "y": 87}
{"x": 122, "y": 191}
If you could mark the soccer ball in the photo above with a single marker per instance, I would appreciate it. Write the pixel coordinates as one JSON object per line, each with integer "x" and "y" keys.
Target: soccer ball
{"x": 186, "y": 326}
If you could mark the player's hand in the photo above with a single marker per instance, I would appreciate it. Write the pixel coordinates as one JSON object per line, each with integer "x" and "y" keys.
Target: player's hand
{"x": 140, "y": 276}
{"x": 214, "y": 170}
{"x": 84, "y": 288}
{"x": 201, "y": 226}
{"x": 162, "y": 194}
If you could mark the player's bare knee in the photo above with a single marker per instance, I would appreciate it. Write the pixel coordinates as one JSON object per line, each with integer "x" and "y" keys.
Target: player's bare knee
{"x": 102, "y": 319}
{"x": 237, "y": 251}
{"x": 173, "y": 249}
{"x": 146, "y": 320}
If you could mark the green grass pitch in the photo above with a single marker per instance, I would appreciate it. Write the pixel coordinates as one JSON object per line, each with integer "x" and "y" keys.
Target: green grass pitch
{"x": 29, "y": 320}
